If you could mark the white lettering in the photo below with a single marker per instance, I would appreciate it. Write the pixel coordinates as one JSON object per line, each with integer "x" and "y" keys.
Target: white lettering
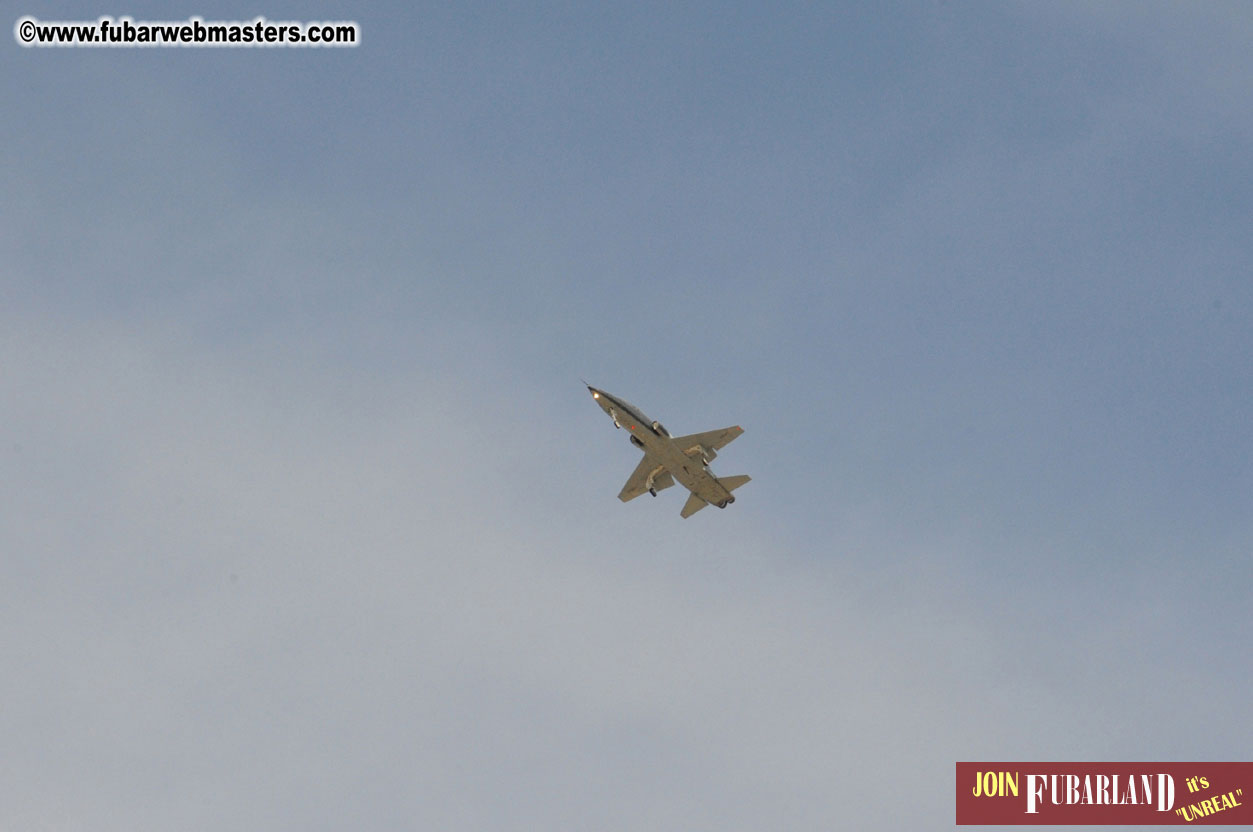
{"x": 1034, "y": 793}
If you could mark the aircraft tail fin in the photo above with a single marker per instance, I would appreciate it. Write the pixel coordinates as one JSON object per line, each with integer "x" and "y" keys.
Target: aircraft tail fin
{"x": 732, "y": 483}
{"x": 693, "y": 505}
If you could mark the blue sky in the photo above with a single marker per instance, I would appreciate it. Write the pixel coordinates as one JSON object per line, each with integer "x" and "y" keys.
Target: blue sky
{"x": 309, "y": 520}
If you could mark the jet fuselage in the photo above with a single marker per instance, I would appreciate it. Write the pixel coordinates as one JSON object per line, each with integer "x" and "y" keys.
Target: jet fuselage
{"x": 688, "y": 465}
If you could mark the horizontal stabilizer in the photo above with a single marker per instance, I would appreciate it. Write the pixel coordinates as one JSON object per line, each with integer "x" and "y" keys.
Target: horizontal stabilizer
{"x": 693, "y": 505}
{"x": 732, "y": 483}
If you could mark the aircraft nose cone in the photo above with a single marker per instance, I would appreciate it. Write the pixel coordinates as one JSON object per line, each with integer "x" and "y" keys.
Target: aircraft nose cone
{"x": 595, "y": 393}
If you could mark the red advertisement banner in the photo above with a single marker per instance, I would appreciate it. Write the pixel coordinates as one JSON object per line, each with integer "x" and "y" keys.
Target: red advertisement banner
{"x": 1104, "y": 793}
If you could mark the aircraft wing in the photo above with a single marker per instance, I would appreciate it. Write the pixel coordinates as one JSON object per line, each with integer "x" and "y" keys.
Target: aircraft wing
{"x": 710, "y": 440}
{"x": 638, "y": 482}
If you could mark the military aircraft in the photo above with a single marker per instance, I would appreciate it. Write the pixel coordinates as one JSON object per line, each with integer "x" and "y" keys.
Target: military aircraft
{"x": 667, "y": 458}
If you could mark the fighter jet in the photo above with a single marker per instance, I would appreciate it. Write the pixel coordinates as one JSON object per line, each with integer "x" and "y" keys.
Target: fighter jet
{"x": 668, "y": 458}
